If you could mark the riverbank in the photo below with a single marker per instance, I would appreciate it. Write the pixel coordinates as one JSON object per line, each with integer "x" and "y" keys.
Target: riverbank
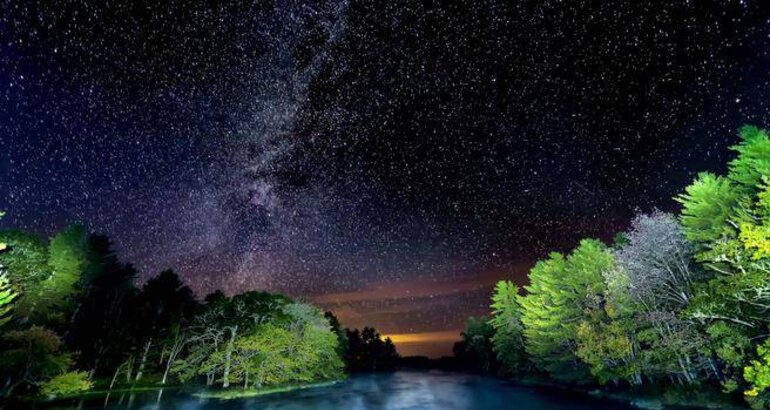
{"x": 236, "y": 393}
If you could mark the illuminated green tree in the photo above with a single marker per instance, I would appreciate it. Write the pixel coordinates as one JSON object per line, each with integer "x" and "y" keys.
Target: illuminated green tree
{"x": 24, "y": 260}
{"x": 7, "y": 293}
{"x": 561, "y": 289}
{"x": 728, "y": 219}
{"x": 50, "y": 277}
{"x": 508, "y": 339}
{"x": 7, "y": 298}
{"x": 65, "y": 384}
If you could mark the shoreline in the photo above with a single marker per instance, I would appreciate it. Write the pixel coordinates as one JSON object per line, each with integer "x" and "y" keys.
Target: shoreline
{"x": 244, "y": 393}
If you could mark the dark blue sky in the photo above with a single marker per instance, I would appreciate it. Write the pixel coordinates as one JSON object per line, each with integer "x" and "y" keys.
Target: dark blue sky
{"x": 408, "y": 154}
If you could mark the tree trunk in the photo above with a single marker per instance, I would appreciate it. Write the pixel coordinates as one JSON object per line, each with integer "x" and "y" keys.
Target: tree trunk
{"x": 114, "y": 377}
{"x": 140, "y": 371}
{"x": 229, "y": 357}
{"x": 162, "y": 355}
{"x": 129, "y": 368}
{"x": 165, "y": 372}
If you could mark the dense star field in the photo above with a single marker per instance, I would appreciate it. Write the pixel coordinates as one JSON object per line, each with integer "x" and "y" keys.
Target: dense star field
{"x": 389, "y": 160}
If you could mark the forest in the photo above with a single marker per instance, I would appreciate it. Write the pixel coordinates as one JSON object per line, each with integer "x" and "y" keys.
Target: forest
{"x": 675, "y": 301}
{"x": 74, "y": 319}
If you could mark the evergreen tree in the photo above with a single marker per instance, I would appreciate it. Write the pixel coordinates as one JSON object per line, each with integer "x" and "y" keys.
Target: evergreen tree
{"x": 104, "y": 327}
{"x": 508, "y": 339}
{"x": 560, "y": 290}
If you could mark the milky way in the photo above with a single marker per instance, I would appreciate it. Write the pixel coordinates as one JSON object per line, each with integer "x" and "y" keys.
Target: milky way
{"x": 390, "y": 160}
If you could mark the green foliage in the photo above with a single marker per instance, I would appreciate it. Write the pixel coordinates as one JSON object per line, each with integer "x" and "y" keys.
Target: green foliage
{"x": 706, "y": 206}
{"x": 757, "y": 375}
{"x": 258, "y": 339}
{"x": 753, "y": 161}
{"x": 508, "y": 338}
{"x": 607, "y": 349}
{"x": 67, "y": 384}
{"x": 48, "y": 277}
{"x": 76, "y": 285}
{"x": 607, "y": 335}
{"x": 734, "y": 246}
{"x": 67, "y": 259}
{"x": 32, "y": 356}
{"x": 275, "y": 355}
{"x": 560, "y": 290}
{"x": 754, "y": 228}
{"x": 25, "y": 257}
{"x": 7, "y": 298}
{"x": 7, "y": 293}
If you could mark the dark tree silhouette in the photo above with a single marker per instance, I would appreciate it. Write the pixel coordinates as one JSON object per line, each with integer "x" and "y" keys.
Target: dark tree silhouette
{"x": 103, "y": 325}
{"x": 367, "y": 352}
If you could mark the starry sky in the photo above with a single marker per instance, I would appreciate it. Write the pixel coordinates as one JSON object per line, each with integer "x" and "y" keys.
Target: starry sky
{"x": 388, "y": 160}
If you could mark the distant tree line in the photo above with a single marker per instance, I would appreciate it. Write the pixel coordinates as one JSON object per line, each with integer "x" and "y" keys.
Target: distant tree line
{"x": 680, "y": 300}
{"x": 364, "y": 350}
{"x": 71, "y": 315}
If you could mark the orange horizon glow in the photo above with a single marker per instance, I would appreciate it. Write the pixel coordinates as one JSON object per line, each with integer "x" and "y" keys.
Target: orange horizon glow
{"x": 425, "y": 337}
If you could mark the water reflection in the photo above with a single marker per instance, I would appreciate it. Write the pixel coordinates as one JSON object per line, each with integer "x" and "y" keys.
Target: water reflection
{"x": 396, "y": 391}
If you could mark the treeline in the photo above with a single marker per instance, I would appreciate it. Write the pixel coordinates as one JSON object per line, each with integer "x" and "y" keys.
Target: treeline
{"x": 677, "y": 300}
{"x": 71, "y": 314}
{"x": 364, "y": 350}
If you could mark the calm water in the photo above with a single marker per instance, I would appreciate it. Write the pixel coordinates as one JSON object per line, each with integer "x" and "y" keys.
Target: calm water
{"x": 400, "y": 390}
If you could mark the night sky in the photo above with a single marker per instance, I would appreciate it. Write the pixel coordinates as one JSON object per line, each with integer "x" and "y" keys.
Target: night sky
{"x": 389, "y": 160}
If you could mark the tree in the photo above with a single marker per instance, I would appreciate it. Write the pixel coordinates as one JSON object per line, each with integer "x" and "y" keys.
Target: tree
{"x": 67, "y": 384}
{"x": 336, "y": 327}
{"x": 508, "y": 339}
{"x": 757, "y": 374}
{"x": 51, "y": 300}
{"x": 263, "y": 358}
{"x": 25, "y": 257}
{"x": 607, "y": 347}
{"x": 609, "y": 335}
{"x": 7, "y": 298}
{"x": 367, "y": 352}
{"x": 661, "y": 276}
{"x": 475, "y": 349}
{"x": 559, "y": 292}
{"x": 7, "y": 294}
{"x": 103, "y": 328}
{"x": 164, "y": 302}
{"x": 214, "y": 333}
{"x": 31, "y": 357}
{"x": 727, "y": 218}
{"x": 316, "y": 346}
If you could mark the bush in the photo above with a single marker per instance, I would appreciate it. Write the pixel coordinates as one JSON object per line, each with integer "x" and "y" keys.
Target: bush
{"x": 67, "y": 384}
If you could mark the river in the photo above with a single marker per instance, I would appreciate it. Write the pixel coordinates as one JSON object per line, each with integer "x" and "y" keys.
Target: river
{"x": 421, "y": 390}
